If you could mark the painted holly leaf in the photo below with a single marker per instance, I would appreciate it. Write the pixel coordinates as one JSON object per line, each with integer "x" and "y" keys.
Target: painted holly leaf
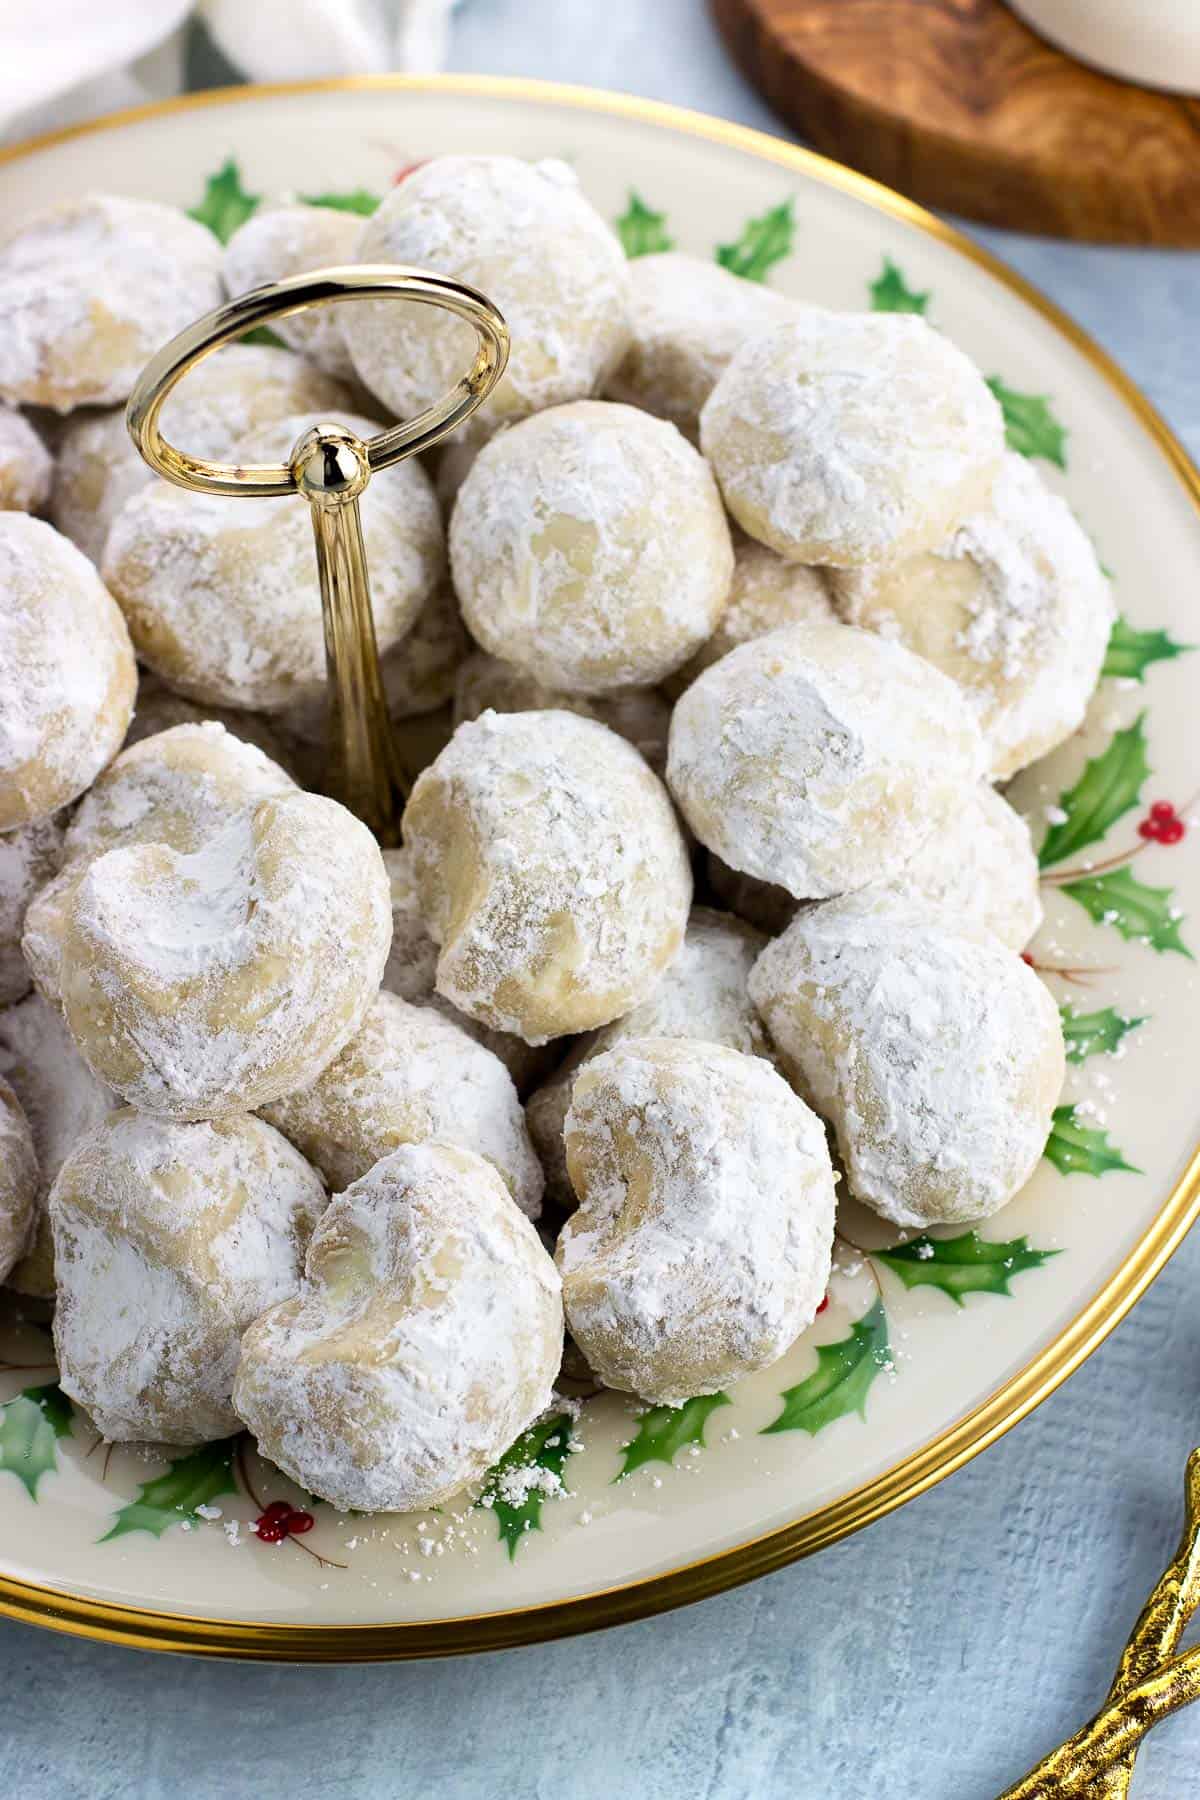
{"x": 1078, "y": 1149}
{"x": 528, "y": 1473}
{"x": 664, "y": 1431}
{"x": 358, "y": 200}
{"x": 262, "y": 334}
{"x": 1029, "y": 423}
{"x": 842, "y": 1378}
{"x": 1140, "y": 913}
{"x": 764, "y": 242}
{"x": 226, "y": 204}
{"x": 1094, "y": 1033}
{"x": 30, "y": 1427}
{"x": 1111, "y": 785}
{"x": 891, "y": 293}
{"x": 962, "y": 1265}
{"x": 1131, "y": 652}
{"x": 171, "y": 1499}
{"x": 643, "y": 232}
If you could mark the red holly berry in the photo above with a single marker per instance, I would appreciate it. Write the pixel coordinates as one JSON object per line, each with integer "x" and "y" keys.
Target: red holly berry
{"x": 299, "y": 1522}
{"x": 823, "y": 1305}
{"x": 406, "y": 171}
{"x": 1162, "y": 824}
{"x": 280, "y": 1520}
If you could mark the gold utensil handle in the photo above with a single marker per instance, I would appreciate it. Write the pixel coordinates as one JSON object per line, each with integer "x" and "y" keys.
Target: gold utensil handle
{"x": 330, "y": 466}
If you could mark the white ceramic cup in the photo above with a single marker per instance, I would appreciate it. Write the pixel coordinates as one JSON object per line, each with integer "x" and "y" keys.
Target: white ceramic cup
{"x": 1154, "y": 42}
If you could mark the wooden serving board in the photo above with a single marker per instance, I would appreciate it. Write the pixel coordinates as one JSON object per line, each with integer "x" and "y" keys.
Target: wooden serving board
{"x": 959, "y": 105}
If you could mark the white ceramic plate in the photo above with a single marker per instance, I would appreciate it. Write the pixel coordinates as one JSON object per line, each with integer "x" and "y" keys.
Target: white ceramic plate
{"x": 896, "y": 1384}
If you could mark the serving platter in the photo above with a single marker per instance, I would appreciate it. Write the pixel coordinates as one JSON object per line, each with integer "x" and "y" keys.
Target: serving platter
{"x": 926, "y": 1351}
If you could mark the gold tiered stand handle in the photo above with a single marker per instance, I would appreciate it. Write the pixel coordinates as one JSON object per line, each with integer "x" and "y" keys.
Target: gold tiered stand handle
{"x": 330, "y": 466}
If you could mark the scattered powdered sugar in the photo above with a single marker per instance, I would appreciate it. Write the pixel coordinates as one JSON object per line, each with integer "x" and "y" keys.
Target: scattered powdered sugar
{"x": 284, "y": 240}
{"x": 29, "y": 857}
{"x": 702, "y": 1243}
{"x": 26, "y": 465}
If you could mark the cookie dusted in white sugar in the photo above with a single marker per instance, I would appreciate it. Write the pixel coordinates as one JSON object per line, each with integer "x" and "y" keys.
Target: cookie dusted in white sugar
{"x": 169, "y": 1240}
{"x": 551, "y": 872}
{"x": 1014, "y": 606}
{"x": 406, "y": 1076}
{"x": 209, "y": 983}
{"x": 850, "y": 438}
{"x": 934, "y": 1051}
{"x": 638, "y": 714}
{"x": 767, "y": 592}
{"x": 223, "y": 600}
{"x": 29, "y": 858}
{"x": 980, "y": 867}
{"x": 238, "y": 390}
{"x": 62, "y": 1101}
{"x": 589, "y": 546}
{"x": 26, "y": 466}
{"x": 820, "y": 758}
{"x": 688, "y": 318}
{"x": 18, "y": 1182}
{"x": 425, "y": 1340}
{"x": 89, "y": 291}
{"x": 702, "y": 995}
{"x": 179, "y": 788}
{"x": 67, "y": 667}
{"x": 701, "y": 1248}
{"x": 289, "y": 240}
{"x": 525, "y": 235}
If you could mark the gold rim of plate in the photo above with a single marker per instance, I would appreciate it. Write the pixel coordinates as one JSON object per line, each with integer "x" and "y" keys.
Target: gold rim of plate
{"x": 249, "y": 1639}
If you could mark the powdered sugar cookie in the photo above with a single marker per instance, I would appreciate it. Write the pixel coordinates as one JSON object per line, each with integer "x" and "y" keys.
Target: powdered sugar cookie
{"x": 90, "y": 290}
{"x": 29, "y": 858}
{"x": 702, "y": 995}
{"x": 640, "y": 715}
{"x": 169, "y": 1240}
{"x": 688, "y": 318}
{"x": 406, "y": 1076}
{"x": 935, "y": 1053}
{"x": 979, "y": 867}
{"x": 18, "y": 1182}
{"x": 589, "y": 547}
{"x": 767, "y": 592}
{"x": 62, "y": 1101}
{"x": 206, "y": 983}
{"x": 551, "y": 872}
{"x": 701, "y": 1247}
{"x": 222, "y": 597}
{"x": 1014, "y": 605}
{"x": 26, "y": 465}
{"x": 820, "y": 758}
{"x": 68, "y": 670}
{"x": 524, "y": 234}
{"x": 239, "y": 390}
{"x": 425, "y": 1339}
{"x": 289, "y": 240}
{"x": 851, "y": 438}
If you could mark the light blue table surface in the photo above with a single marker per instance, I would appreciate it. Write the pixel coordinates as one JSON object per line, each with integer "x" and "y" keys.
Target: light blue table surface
{"x": 933, "y": 1657}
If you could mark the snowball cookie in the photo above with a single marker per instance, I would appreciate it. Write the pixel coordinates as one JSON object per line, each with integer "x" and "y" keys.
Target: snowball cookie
{"x": 90, "y": 290}
{"x": 820, "y": 758}
{"x": 848, "y": 438}
{"x": 688, "y": 317}
{"x": 702, "y": 995}
{"x": 179, "y": 788}
{"x": 551, "y": 872}
{"x": 426, "y": 1338}
{"x": 67, "y": 667}
{"x": 29, "y": 857}
{"x": 406, "y": 1076}
{"x": 169, "y": 1240}
{"x": 289, "y": 240}
{"x": 18, "y": 1182}
{"x": 524, "y": 234}
{"x": 638, "y": 714}
{"x": 701, "y": 1248}
{"x": 980, "y": 867}
{"x": 767, "y": 592}
{"x": 934, "y": 1052}
{"x": 230, "y": 394}
{"x": 62, "y": 1101}
{"x": 1015, "y": 606}
{"x": 589, "y": 546}
{"x": 222, "y": 597}
{"x": 208, "y": 983}
{"x": 26, "y": 465}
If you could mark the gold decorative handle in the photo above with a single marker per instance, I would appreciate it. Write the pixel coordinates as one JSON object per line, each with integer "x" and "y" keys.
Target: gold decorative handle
{"x": 330, "y": 467}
